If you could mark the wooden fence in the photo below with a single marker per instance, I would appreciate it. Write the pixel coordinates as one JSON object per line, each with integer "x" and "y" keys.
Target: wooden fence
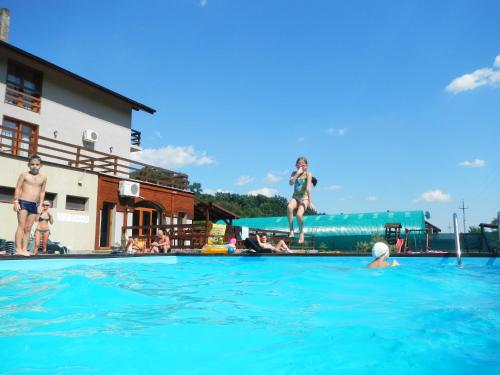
{"x": 195, "y": 236}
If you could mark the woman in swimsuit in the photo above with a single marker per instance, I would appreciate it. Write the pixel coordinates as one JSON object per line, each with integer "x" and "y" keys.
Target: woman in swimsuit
{"x": 301, "y": 180}
{"x": 42, "y": 231}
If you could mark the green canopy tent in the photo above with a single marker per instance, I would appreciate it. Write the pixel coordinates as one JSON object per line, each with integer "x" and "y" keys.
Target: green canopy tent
{"x": 341, "y": 231}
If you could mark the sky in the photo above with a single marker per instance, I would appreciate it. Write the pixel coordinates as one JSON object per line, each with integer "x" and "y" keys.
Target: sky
{"x": 396, "y": 104}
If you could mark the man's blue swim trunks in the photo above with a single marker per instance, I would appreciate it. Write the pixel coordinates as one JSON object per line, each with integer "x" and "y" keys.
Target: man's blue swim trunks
{"x": 31, "y": 207}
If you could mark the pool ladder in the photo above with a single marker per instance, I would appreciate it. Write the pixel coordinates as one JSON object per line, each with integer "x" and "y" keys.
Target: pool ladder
{"x": 457, "y": 239}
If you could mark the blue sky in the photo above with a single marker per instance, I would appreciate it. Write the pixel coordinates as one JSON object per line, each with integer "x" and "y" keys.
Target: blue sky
{"x": 396, "y": 104}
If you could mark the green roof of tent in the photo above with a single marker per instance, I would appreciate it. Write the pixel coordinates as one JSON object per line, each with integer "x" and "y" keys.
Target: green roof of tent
{"x": 341, "y": 224}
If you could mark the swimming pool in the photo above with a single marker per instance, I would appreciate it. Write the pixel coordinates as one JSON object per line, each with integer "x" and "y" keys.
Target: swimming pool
{"x": 249, "y": 315}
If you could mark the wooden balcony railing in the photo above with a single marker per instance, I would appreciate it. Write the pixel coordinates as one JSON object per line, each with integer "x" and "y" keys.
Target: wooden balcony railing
{"x": 182, "y": 236}
{"x": 22, "y": 99}
{"x": 135, "y": 137}
{"x": 84, "y": 158}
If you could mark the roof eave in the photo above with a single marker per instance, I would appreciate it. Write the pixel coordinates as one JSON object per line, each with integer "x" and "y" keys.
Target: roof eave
{"x": 134, "y": 104}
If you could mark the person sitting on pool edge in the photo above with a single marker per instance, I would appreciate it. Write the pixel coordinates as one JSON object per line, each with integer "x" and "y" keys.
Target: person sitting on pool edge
{"x": 135, "y": 246}
{"x": 280, "y": 247}
{"x": 381, "y": 252}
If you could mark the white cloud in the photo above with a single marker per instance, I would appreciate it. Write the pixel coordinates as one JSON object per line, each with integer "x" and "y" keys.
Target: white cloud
{"x": 348, "y": 198}
{"x": 332, "y": 187}
{"x": 243, "y": 180}
{"x": 214, "y": 191}
{"x": 268, "y": 192}
{"x": 433, "y": 196}
{"x": 496, "y": 64}
{"x": 270, "y": 177}
{"x": 476, "y": 163}
{"x": 478, "y": 78}
{"x": 171, "y": 156}
{"x": 335, "y": 131}
{"x": 371, "y": 198}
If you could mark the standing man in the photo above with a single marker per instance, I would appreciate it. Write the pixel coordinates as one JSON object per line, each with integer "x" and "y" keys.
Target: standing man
{"x": 30, "y": 191}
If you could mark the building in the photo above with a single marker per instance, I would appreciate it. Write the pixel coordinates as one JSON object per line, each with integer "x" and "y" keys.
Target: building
{"x": 83, "y": 132}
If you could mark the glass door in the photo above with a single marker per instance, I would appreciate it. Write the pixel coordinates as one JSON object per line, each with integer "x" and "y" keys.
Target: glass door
{"x": 106, "y": 224}
{"x": 7, "y": 136}
{"x": 26, "y": 140}
{"x": 18, "y": 138}
{"x": 144, "y": 218}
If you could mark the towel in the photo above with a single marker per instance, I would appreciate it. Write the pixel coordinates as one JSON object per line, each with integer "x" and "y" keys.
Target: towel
{"x": 244, "y": 233}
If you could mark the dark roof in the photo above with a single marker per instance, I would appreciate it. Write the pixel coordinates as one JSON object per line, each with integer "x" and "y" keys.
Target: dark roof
{"x": 434, "y": 228}
{"x": 216, "y": 212}
{"x": 135, "y": 105}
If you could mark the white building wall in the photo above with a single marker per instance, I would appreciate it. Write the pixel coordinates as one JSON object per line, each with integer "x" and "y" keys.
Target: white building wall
{"x": 70, "y": 107}
{"x": 117, "y": 227}
{"x": 75, "y": 229}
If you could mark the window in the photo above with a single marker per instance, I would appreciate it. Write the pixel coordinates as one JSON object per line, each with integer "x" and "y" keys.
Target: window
{"x": 6, "y": 194}
{"x": 24, "y": 87}
{"x": 18, "y": 137}
{"x": 76, "y": 203}
{"x": 51, "y": 197}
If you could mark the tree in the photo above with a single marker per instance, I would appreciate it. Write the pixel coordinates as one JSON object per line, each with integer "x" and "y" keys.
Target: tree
{"x": 247, "y": 205}
{"x": 195, "y": 188}
{"x": 474, "y": 229}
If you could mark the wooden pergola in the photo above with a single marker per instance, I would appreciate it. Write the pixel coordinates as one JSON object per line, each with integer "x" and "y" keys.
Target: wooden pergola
{"x": 210, "y": 211}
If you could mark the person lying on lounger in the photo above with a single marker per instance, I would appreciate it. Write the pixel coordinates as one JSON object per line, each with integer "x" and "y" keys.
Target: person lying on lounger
{"x": 280, "y": 247}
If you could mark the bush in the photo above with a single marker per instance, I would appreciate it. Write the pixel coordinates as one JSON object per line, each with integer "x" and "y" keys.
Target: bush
{"x": 366, "y": 246}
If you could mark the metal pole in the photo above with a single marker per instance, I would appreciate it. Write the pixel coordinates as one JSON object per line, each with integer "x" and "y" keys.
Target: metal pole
{"x": 457, "y": 239}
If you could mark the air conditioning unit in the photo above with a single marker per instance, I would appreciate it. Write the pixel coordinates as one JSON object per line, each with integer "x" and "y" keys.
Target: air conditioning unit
{"x": 90, "y": 135}
{"x": 129, "y": 188}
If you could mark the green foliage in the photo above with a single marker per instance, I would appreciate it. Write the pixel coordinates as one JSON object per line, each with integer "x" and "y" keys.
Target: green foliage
{"x": 474, "y": 229}
{"x": 366, "y": 246}
{"x": 247, "y": 205}
{"x": 323, "y": 246}
{"x": 363, "y": 246}
{"x": 195, "y": 187}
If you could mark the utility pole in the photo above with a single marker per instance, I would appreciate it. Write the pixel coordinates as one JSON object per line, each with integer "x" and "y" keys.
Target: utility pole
{"x": 463, "y": 208}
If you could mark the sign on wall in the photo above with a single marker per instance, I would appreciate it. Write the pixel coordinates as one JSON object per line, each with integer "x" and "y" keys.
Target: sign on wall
{"x": 72, "y": 218}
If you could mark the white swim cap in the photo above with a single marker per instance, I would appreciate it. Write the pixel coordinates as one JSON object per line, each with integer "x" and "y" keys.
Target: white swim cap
{"x": 379, "y": 250}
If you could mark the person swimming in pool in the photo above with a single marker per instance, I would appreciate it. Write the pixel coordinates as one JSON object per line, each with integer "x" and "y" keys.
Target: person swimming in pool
{"x": 301, "y": 200}
{"x": 42, "y": 231}
{"x": 381, "y": 252}
{"x": 30, "y": 191}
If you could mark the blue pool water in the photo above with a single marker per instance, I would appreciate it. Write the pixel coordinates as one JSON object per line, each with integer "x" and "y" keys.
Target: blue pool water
{"x": 244, "y": 315}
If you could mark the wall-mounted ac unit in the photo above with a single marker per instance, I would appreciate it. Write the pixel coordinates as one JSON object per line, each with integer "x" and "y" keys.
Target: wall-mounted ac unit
{"x": 90, "y": 135}
{"x": 129, "y": 188}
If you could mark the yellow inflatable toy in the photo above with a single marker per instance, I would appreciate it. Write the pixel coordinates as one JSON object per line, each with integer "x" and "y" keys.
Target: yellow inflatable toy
{"x": 214, "y": 249}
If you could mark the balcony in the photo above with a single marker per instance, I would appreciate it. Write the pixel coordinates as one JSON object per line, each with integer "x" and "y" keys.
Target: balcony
{"x": 54, "y": 151}
{"x": 22, "y": 99}
{"x": 135, "y": 140}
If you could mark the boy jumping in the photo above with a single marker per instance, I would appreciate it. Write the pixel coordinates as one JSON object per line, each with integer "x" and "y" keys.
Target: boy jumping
{"x": 30, "y": 191}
